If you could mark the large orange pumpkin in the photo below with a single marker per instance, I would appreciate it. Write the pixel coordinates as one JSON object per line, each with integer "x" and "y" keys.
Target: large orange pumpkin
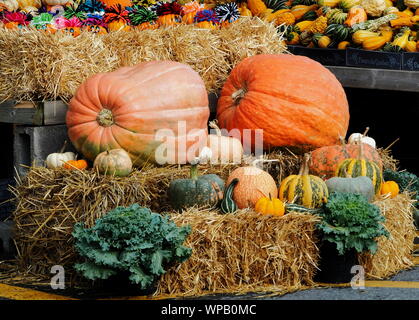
{"x": 325, "y": 160}
{"x": 294, "y": 99}
{"x": 128, "y": 109}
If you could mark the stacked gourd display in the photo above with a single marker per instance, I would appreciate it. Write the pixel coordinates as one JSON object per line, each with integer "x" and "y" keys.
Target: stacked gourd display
{"x": 367, "y": 24}
{"x": 308, "y": 111}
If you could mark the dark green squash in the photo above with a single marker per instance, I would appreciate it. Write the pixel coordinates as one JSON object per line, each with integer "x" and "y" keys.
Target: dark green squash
{"x": 228, "y": 205}
{"x": 359, "y": 185}
{"x": 201, "y": 191}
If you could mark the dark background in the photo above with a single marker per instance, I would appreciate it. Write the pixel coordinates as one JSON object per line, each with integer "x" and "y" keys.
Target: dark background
{"x": 390, "y": 115}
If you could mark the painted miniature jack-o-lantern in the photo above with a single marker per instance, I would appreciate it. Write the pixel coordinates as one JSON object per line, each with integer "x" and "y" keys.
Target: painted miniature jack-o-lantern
{"x": 75, "y": 31}
{"x": 97, "y": 29}
{"x": 151, "y": 25}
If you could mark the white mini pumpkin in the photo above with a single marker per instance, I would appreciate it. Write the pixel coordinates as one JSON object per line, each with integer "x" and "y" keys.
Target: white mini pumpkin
{"x": 57, "y": 160}
{"x": 224, "y": 149}
{"x": 355, "y": 138}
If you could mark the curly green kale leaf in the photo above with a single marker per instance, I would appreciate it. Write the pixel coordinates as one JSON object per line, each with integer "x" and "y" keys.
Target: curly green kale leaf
{"x": 133, "y": 240}
{"x": 350, "y": 221}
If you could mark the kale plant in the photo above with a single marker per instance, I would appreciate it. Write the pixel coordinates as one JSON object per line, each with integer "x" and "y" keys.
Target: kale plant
{"x": 350, "y": 221}
{"x": 130, "y": 240}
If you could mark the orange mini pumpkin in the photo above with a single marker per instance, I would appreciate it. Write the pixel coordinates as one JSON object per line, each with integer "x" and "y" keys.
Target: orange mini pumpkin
{"x": 97, "y": 29}
{"x": 169, "y": 20}
{"x": 76, "y": 164}
{"x": 270, "y": 206}
{"x": 151, "y": 25}
{"x": 390, "y": 187}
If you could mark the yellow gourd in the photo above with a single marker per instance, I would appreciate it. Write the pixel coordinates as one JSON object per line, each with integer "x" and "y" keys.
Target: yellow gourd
{"x": 343, "y": 45}
{"x": 256, "y": 7}
{"x": 293, "y": 38}
{"x": 328, "y": 3}
{"x": 244, "y": 10}
{"x": 387, "y": 34}
{"x": 299, "y": 10}
{"x": 374, "y": 43}
{"x": 408, "y": 12}
{"x": 359, "y": 36}
{"x": 270, "y": 16}
{"x": 324, "y": 42}
{"x": 401, "y": 22}
{"x": 303, "y": 25}
{"x": 411, "y": 46}
{"x": 415, "y": 18}
{"x": 402, "y": 40}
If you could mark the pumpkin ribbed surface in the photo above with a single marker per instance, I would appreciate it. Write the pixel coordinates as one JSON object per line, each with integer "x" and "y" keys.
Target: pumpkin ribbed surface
{"x": 361, "y": 167}
{"x": 325, "y": 160}
{"x": 294, "y": 99}
{"x": 125, "y": 109}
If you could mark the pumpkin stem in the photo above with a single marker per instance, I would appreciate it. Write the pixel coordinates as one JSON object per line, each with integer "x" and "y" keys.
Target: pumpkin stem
{"x": 63, "y": 147}
{"x": 366, "y": 131}
{"x": 214, "y": 125}
{"x": 194, "y": 171}
{"x": 105, "y": 118}
{"x": 238, "y": 95}
{"x": 304, "y": 167}
{"x": 361, "y": 153}
{"x": 270, "y": 197}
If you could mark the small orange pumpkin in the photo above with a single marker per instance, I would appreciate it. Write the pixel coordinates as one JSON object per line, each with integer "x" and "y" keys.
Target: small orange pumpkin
{"x": 270, "y": 206}
{"x": 356, "y": 14}
{"x": 188, "y": 18}
{"x": 390, "y": 187}
{"x": 76, "y": 164}
{"x": 74, "y": 31}
{"x": 118, "y": 25}
{"x": 207, "y": 25}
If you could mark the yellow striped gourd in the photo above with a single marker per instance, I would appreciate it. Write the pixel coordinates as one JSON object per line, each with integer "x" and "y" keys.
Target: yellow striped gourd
{"x": 304, "y": 189}
{"x": 352, "y": 168}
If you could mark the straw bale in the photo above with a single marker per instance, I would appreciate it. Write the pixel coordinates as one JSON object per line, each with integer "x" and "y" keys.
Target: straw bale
{"x": 244, "y": 252}
{"x": 395, "y": 253}
{"x": 36, "y": 65}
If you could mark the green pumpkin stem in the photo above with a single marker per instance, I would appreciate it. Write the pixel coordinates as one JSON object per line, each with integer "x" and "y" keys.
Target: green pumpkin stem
{"x": 304, "y": 167}
{"x": 194, "y": 171}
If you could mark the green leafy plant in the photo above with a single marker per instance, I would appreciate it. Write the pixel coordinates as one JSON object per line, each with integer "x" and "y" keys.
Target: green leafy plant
{"x": 130, "y": 240}
{"x": 350, "y": 221}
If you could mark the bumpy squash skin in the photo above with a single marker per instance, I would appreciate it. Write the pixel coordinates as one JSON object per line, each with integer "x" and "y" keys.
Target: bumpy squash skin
{"x": 294, "y": 99}
{"x": 359, "y": 185}
{"x": 325, "y": 160}
{"x": 205, "y": 191}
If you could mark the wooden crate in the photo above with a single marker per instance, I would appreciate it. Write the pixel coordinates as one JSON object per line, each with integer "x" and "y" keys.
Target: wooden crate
{"x": 33, "y": 113}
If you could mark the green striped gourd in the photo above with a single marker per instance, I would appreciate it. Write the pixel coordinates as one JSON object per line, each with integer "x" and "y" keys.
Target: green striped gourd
{"x": 292, "y": 207}
{"x": 361, "y": 167}
{"x": 304, "y": 189}
{"x": 228, "y": 205}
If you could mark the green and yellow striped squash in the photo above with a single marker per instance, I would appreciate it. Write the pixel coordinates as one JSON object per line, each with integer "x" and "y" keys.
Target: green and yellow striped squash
{"x": 304, "y": 189}
{"x": 360, "y": 167}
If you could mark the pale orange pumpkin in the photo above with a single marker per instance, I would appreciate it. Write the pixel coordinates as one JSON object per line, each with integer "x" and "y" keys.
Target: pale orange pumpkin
{"x": 224, "y": 149}
{"x": 116, "y": 162}
{"x": 295, "y": 101}
{"x": 126, "y": 109}
{"x": 254, "y": 183}
{"x": 390, "y": 187}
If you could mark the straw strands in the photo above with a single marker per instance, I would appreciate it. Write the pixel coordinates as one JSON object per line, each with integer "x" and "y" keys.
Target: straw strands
{"x": 394, "y": 253}
{"x": 244, "y": 252}
{"x": 36, "y": 65}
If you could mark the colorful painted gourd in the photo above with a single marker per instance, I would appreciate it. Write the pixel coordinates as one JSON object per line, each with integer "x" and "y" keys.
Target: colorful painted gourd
{"x": 199, "y": 191}
{"x": 304, "y": 189}
{"x": 115, "y": 162}
{"x": 265, "y": 92}
{"x": 125, "y": 109}
{"x": 253, "y": 184}
{"x": 228, "y": 205}
{"x": 355, "y": 167}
